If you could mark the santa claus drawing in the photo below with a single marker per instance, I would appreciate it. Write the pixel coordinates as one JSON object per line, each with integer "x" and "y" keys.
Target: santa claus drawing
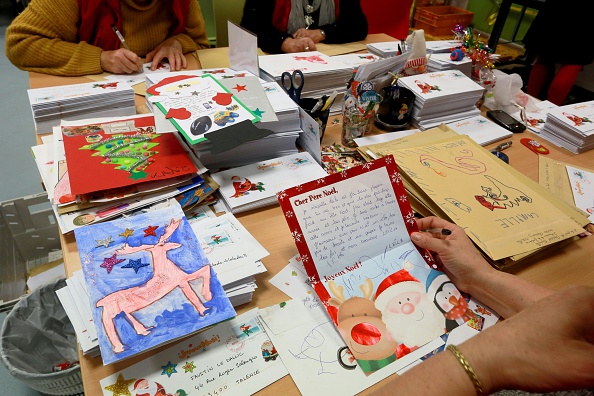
{"x": 243, "y": 186}
{"x": 410, "y": 316}
{"x": 144, "y": 387}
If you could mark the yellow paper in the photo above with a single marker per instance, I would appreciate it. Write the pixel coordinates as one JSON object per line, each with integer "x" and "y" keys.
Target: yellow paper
{"x": 502, "y": 214}
{"x": 339, "y": 49}
{"x": 216, "y": 57}
{"x": 213, "y": 57}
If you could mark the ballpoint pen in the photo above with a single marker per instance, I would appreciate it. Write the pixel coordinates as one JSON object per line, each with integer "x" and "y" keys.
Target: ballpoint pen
{"x": 442, "y": 231}
{"x": 117, "y": 32}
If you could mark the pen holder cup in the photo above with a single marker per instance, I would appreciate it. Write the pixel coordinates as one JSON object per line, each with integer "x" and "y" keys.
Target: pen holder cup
{"x": 321, "y": 117}
{"x": 354, "y": 125}
{"x": 395, "y": 110}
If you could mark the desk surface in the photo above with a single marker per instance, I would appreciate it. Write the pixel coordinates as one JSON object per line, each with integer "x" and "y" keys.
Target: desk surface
{"x": 569, "y": 265}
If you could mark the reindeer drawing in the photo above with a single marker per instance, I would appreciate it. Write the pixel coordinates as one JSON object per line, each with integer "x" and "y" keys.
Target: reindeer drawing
{"x": 166, "y": 277}
{"x": 361, "y": 327}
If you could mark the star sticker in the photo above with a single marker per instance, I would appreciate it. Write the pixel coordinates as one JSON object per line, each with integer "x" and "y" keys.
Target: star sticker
{"x": 110, "y": 262}
{"x": 121, "y": 386}
{"x": 240, "y": 88}
{"x": 169, "y": 369}
{"x": 138, "y": 175}
{"x": 189, "y": 367}
{"x": 104, "y": 242}
{"x": 127, "y": 233}
{"x": 258, "y": 112}
{"x": 150, "y": 231}
{"x": 136, "y": 264}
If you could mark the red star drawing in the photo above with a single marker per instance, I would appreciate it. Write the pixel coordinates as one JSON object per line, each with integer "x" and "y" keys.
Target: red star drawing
{"x": 150, "y": 231}
{"x": 110, "y": 262}
{"x": 240, "y": 88}
{"x": 222, "y": 98}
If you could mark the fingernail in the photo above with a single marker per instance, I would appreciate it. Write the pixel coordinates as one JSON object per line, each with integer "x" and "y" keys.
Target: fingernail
{"x": 415, "y": 237}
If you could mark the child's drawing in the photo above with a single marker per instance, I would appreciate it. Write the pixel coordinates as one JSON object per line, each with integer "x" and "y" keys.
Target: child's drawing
{"x": 150, "y": 284}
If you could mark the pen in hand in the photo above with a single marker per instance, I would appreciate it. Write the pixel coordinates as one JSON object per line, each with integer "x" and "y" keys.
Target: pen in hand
{"x": 117, "y": 32}
{"x": 442, "y": 231}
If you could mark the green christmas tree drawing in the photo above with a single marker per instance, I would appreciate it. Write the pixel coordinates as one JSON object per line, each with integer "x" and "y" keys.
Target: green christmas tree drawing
{"x": 129, "y": 153}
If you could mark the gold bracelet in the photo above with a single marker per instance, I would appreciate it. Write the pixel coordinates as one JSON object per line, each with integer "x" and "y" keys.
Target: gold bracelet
{"x": 473, "y": 377}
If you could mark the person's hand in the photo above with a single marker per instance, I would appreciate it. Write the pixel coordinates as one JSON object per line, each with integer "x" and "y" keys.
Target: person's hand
{"x": 314, "y": 34}
{"x": 456, "y": 254}
{"x": 170, "y": 49}
{"x": 120, "y": 61}
{"x": 548, "y": 346}
{"x": 298, "y": 45}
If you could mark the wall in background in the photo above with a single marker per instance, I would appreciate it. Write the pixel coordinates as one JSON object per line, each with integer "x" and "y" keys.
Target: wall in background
{"x": 209, "y": 20}
{"x": 485, "y": 14}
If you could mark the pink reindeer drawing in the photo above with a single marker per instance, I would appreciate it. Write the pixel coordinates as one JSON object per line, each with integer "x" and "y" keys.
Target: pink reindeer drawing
{"x": 166, "y": 277}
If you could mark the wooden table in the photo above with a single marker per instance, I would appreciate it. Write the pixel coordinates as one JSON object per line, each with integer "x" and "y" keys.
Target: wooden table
{"x": 569, "y": 265}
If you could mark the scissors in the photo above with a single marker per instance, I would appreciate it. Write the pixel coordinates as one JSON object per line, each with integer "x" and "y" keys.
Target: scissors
{"x": 293, "y": 90}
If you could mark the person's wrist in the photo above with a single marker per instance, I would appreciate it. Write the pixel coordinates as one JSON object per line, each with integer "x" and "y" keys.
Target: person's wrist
{"x": 286, "y": 45}
{"x": 469, "y": 371}
{"x": 483, "y": 354}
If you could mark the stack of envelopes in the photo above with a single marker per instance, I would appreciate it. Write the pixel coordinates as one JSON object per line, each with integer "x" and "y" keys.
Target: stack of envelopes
{"x": 97, "y": 169}
{"x": 509, "y": 217}
{"x": 443, "y": 96}
{"x": 255, "y": 185}
{"x": 443, "y": 61}
{"x": 571, "y": 126}
{"x": 218, "y": 133}
{"x": 323, "y": 74}
{"x": 77, "y": 101}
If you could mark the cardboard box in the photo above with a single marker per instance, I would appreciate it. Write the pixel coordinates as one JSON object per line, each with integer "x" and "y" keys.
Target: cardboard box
{"x": 441, "y": 20}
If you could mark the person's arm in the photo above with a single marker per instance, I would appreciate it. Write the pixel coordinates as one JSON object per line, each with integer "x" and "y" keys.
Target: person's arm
{"x": 507, "y": 294}
{"x": 549, "y": 346}
{"x": 44, "y": 39}
{"x": 350, "y": 26}
{"x": 257, "y": 18}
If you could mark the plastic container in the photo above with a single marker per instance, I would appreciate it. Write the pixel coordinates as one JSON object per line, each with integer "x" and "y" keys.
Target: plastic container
{"x": 441, "y": 20}
{"x": 37, "y": 338}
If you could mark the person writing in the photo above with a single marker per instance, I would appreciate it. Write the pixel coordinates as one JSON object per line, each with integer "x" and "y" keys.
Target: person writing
{"x": 298, "y": 25}
{"x": 76, "y": 37}
{"x": 545, "y": 343}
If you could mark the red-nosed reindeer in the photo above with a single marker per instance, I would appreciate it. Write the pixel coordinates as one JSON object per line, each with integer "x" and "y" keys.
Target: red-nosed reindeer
{"x": 166, "y": 277}
{"x": 360, "y": 325}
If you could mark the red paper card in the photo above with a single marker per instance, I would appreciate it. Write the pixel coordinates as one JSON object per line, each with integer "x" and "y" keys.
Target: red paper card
{"x": 383, "y": 293}
{"x": 120, "y": 153}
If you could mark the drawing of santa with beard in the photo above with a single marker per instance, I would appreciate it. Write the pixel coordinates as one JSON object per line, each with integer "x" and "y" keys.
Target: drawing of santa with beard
{"x": 410, "y": 316}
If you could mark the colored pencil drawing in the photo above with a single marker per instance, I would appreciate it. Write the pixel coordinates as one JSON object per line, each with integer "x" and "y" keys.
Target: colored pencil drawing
{"x": 149, "y": 281}
{"x": 464, "y": 163}
{"x": 120, "y": 153}
{"x": 498, "y": 195}
{"x": 457, "y": 204}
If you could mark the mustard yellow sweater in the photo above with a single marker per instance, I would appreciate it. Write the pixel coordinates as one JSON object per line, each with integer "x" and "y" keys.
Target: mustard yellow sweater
{"x": 44, "y": 37}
